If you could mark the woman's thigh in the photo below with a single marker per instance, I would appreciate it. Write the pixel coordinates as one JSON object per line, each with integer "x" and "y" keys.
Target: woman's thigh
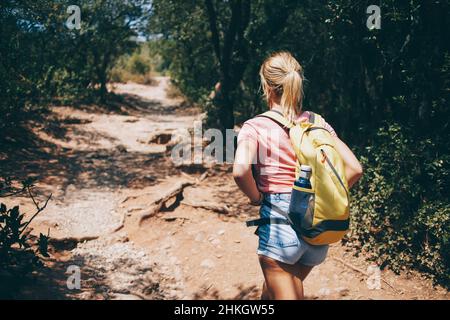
{"x": 283, "y": 281}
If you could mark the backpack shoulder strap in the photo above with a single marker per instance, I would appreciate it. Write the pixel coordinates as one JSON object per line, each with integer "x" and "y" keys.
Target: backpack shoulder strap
{"x": 315, "y": 118}
{"x": 277, "y": 117}
{"x": 312, "y": 117}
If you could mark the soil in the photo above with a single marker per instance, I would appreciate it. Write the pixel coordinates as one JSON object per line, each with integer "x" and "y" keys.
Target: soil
{"x": 140, "y": 227}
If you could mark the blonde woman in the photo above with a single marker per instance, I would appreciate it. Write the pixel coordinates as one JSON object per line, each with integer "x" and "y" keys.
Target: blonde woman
{"x": 285, "y": 258}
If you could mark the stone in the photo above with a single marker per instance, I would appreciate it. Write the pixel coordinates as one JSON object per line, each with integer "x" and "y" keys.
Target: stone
{"x": 342, "y": 291}
{"x": 199, "y": 237}
{"x": 207, "y": 263}
{"x": 122, "y": 296}
{"x": 324, "y": 292}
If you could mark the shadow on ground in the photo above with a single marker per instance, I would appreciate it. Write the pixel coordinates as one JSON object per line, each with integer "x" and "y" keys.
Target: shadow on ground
{"x": 48, "y": 282}
{"x": 24, "y": 155}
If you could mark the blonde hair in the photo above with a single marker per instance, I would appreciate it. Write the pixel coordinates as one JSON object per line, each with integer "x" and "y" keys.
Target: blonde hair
{"x": 282, "y": 75}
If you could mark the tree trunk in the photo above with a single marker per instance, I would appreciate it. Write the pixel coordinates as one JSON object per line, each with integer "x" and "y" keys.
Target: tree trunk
{"x": 233, "y": 42}
{"x": 102, "y": 77}
{"x": 225, "y": 105}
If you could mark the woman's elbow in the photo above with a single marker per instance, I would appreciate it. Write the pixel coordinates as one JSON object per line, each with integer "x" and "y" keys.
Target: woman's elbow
{"x": 237, "y": 175}
{"x": 239, "y": 172}
{"x": 357, "y": 172}
{"x": 359, "y": 169}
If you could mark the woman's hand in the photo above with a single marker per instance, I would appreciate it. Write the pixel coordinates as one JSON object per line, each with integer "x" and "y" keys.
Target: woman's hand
{"x": 353, "y": 169}
{"x": 242, "y": 171}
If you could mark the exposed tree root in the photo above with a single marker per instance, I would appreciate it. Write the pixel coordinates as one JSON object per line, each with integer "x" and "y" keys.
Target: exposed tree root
{"x": 208, "y": 206}
{"x": 174, "y": 192}
{"x": 365, "y": 273}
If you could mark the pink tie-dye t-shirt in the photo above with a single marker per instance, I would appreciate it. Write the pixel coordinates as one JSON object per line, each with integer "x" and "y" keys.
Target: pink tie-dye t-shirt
{"x": 276, "y": 160}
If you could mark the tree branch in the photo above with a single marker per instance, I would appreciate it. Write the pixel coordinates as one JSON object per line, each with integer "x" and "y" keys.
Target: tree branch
{"x": 38, "y": 208}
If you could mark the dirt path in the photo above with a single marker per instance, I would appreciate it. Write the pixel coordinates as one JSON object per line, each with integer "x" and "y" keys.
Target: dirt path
{"x": 107, "y": 169}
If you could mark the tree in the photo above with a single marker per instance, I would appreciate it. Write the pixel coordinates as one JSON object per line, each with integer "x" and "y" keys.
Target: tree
{"x": 40, "y": 58}
{"x": 231, "y": 53}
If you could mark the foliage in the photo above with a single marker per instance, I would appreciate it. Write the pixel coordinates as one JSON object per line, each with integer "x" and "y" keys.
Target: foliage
{"x": 41, "y": 59}
{"x": 400, "y": 215}
{"x": 139, "y": 67}
{"x": 16, "y": 243}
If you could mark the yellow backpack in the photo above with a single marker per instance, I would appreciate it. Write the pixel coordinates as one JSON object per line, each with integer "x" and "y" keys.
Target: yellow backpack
{"x": 315, "y": 146}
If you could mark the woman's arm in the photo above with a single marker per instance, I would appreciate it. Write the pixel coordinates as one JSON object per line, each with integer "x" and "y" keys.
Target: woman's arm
{"x": 353, "y": 169}
{"x": 242, "y": 170}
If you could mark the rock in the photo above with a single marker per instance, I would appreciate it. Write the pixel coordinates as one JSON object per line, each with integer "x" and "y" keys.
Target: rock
{"x": 161, "y": 137}
{"x": 150, "y": 178}
{"x": 173, "y": 293}
{"x": 136, "y": 208}
{"x": 324, "y": 292}
{"x": 124, "y": 268}
{"x": 71, "y": 188}
{"x": 199, "y": 237}
{"x": 342, "y": 291}
{"x": 86, "y": 295}
{"x": 122, "y": 296}
{"x": 121, "y": 148}
{"x": 220, "y": 232}
{"x": 207, "y": 263}
{"x": 173, "y": 260}
{"x": 80, "y": 218}
{"x": 121, "y": 237}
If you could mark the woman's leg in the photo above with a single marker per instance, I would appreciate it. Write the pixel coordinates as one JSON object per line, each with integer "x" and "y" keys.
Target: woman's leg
{"x": 302, "y": 271}
{"x": 265, "y": 293}
{"x": 282, "y": 281}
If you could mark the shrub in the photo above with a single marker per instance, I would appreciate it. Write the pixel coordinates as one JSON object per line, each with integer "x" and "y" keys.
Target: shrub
{"x": 139, "y": 67}
{"x": 399, "y": 216}
{"x": 16, "y": 244}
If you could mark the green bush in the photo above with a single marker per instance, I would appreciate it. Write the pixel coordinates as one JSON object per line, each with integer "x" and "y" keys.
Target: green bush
{"x": 140, "y": 66}
{"x": 399, "y": 215}
{"x": 20, "y": 252}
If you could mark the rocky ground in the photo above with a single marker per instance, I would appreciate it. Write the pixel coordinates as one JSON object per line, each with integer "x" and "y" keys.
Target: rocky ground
{"x": 140, "y": 227}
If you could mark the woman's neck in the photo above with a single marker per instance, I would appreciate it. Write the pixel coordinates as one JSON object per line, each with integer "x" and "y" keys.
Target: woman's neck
{"x": 276, "y": 107}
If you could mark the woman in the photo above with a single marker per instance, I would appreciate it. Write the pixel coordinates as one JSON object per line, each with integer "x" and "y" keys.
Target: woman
{"x": 285, "y": 258}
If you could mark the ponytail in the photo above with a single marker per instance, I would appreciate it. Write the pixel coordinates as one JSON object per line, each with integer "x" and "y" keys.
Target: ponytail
{"x": 292, "y": 95}
{"x": 284, "y": 76}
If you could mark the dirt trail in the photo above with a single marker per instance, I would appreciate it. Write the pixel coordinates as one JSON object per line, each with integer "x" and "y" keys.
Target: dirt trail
{"x": 108, "y": 169}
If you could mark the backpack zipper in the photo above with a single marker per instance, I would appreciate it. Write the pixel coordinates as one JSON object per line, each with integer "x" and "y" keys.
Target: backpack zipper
{"x": 334, "y": 170}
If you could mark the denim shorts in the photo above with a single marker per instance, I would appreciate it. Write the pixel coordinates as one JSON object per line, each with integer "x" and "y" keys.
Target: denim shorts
{"x": 280, "y": 241}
